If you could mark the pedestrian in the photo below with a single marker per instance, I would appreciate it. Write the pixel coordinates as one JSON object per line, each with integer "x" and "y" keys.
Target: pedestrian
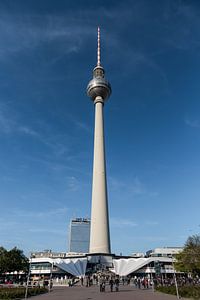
{"x": 100, "y": 284}
{"x": 87, "y": 281}
{"x": 117, "y": 284}
{"x": 82, "y": 280}
{"x": 103, "y": 286}
{"x": 111, "y": 283}
{"x": 139, "y": 283}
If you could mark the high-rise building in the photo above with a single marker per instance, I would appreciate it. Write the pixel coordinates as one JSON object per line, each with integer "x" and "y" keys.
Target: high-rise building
{"x": 99, "y": 90}
{"x": 79, "y": 235}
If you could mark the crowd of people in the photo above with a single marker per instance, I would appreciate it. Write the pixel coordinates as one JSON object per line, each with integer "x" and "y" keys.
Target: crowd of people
{"x": 112, "y": 282}
{"x": 102, "y": 280}
{"x": 181, "y": 281}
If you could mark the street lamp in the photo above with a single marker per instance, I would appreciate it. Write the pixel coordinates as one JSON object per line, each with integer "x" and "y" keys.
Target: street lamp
{"x": 176, "y": 285}
{"x": 50, "y": 278}
{"x": 27, "y": 282}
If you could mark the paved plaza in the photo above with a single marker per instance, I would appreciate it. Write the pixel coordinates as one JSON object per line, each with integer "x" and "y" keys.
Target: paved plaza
{"x": 90, "y": 293}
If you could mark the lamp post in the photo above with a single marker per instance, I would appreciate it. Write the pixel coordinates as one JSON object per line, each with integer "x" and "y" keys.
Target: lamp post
{"x": 27, "y": 282}
{"x": 50, "y": 277}
{"x": 175, "y": 281}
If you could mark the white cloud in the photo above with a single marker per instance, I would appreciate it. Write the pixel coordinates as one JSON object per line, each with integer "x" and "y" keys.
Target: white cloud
{"x": 132, "y": 186}
{"x": 6, "y": 225}
{"x": 28, "y": 131}
{"x": 57, "y": 212}
{"x": 72, "y": 184}
{"x": 9, "y": 122}
{"x": 153, "y": 238}
{"x": 192, "y": 123}
{"x": 138, "y": 187}
{"x": 48, "y": 231}
{"x": 28, "y": 32}
{"x": 83, "y": 126}
{"x": 115, "y": 222}
{"x": 151, "y": 223}
{"x": 6, "y": 122}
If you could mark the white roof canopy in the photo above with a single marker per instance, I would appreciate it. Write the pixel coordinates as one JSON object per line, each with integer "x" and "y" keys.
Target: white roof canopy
{"x": 74, "y": 266}
{"x": 126, "y": 266}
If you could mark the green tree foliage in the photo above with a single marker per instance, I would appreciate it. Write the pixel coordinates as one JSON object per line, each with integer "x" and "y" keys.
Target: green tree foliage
{"x": 189, "y": 259}
{"x": 12, "y": 260}
{"x": 3, "y": 259}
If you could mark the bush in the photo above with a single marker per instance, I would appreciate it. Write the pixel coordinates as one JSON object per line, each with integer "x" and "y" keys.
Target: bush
{"x": 184, "y": 291}
{"x": 18, "y": 293}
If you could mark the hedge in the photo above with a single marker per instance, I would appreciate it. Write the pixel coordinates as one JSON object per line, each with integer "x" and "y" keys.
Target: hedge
{"x": 19, "y": 293}
{"x": 184, "y": 291}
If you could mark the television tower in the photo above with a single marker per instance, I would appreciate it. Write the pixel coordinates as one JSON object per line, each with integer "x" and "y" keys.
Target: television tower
{"x": 99, "y": 90}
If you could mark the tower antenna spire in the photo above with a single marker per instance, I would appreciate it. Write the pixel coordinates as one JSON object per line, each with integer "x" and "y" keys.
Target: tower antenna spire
{"x": 98, "y": 49}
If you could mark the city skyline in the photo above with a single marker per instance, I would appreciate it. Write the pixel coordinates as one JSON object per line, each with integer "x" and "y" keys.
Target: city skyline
{"x": 151, "y": 57}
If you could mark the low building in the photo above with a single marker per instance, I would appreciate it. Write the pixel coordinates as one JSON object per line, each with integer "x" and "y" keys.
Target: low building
{"x": 157, "y": 262}
{"x": 137, "y": 254}
{"x": 164, "y": 252}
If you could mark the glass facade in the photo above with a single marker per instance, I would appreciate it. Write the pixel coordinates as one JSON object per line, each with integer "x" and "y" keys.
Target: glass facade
{"x": 79, "y": 235}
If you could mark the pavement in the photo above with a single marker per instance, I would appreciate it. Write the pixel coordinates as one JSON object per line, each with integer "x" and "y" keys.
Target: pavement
{"x": 93, "y": 293}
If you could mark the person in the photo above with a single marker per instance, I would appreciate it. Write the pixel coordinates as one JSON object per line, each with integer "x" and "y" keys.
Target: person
{"x": 82, "y": 280}
{"x": 103, "y": 285}
{"x": 111, "y": 283}
{"x": 70, "y": 283}
{"x": 87, "y": 281}
{"x": 51, "y": 284}
{"x": 117, "y": 284}
{"x": 139, "y": 283}
{"x": 100, "y": 283}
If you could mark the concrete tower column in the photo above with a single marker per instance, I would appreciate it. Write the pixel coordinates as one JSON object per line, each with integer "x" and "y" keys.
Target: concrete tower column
{"x": 99, "y": 90}
{"x": 99, "y": 232}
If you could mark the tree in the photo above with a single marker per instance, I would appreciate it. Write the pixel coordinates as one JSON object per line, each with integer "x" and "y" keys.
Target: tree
{"x": 13, "y": 260}
{"x": 3, "y": 261}
{"x": 189, "y": 259}
{"x": 17, "y": 261}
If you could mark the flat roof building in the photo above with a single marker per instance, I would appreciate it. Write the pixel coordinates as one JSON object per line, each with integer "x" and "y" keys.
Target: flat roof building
{"x": 164, "y": 251}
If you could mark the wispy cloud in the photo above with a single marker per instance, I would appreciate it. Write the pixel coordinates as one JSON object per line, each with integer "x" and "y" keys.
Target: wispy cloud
{"x": 61, "y": 232}
{"x": 72, "y": 184}
{"x": 28, "y": 131}
{"x": 10, "y": 124}
{"x": 138, "y": 187}
{"x": 153, "y": 238}
{"x": 57, "y": 212}
{"x": 19, "y": 34}
{"x": 115, "y": 222}
{"x": 83, "y": 126}
{"x": 151, "y": 223}
{"x": 133, "y": 186}
{"x": 6, "y": 123}
{"x": 6, "y": 225}
{"x": 192, "y": 123}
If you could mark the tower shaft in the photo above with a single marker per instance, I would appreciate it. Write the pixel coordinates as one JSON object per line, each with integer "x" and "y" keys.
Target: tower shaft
{"x": 99, "y": 232}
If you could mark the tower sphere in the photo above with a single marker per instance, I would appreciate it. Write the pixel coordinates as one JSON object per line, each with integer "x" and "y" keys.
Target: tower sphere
{"x": 98, "y": 86}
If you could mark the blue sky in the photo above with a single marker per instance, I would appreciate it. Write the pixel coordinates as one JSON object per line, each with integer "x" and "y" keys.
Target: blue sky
{"x": 151, "y": 54}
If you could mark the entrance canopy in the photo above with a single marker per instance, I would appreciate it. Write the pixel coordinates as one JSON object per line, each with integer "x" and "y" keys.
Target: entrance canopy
{"x": 126, "y": 266}
{"x": 74, "y": 266}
